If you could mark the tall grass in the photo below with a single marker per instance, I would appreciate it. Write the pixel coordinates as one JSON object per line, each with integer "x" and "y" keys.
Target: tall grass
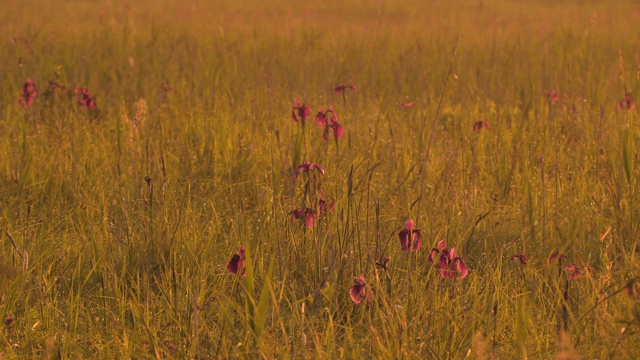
{"x": 118, "y": 224}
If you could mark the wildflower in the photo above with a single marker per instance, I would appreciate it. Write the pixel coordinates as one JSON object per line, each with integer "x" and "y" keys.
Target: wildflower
{"x": 358, "y": 291}
{"x": 53, "y": 85}
{"x": 553, "y": 96}
{"x": 626, "y": 103}
{"x": 85, "y": 99}
{"x": 237, "y": 262}
{"x": 576, "y": 271}
{"x": 304, "y": 213}
{"x": 556, "y": 255}
{"x": 323, "y": 117}
{"x": 300, "y": 112}
{"x": 384, "y": 264}
{"x": 479, "y": 124}
{"x": 448, "y": 261}
{"x": 410, "y": 238}
{"x": 307, "y": 167}
{"x": 329, "y": 121}
{"x": 8, "y": 320}
{"x": 322, "y": 206}
{"x": 521, "y": 257}
{"x": 343, "y": 87}
{"x": 633, "y": 289}
{"x": 335, "y": 128}
{"x": 29, "y": 92}
{"x": 407, "y": 104}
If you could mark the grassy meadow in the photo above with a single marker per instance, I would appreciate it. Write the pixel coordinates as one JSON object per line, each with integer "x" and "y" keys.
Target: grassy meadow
{"x": 144, "y": 143}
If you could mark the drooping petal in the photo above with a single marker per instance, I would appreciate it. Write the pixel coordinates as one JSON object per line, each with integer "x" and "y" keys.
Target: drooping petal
{"x": 320, "y": 119}
{"x": 322, "y": 207}
{"x": 357, "y": 293}
{"x": 574, "y": 271}
{"x": 237, "y": 262}
{"x": 431, "y": 253}
{"x": 521, "y": 257}
{"x": 626, "y": 103}
{"x": 417, "y": 239}
{"x": 8, "y": 320}
{"x": 296, "y": 214}
{"x": 234, "y": 264}
{"x": 404, "y": 239}
{"x": 633, "y": 289}
{"x": 556, "y": 255}
{"x": 343, "y": 87}
{"x": 446, "y": 273}
{"x": 409, "y": 225}
{"x": 461, "y": 267}
{"x": 300, "y": 112}
{"x": 29, "y": 92}
{"x": 325, "y": 134}
{"x": 310, "y": 215}
{"x": 304, "y": 167}
{"x": 442, "y": 244}
{"x": 407, "y": 104}
{"x": 338, "y": 130}
{"x": 317, "y": 167}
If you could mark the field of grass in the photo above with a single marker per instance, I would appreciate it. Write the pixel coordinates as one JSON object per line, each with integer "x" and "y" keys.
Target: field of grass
{"x": 498, "y": 126}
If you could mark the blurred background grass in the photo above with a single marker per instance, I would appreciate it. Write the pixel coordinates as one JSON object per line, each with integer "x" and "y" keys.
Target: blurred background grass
{"x": 121, "y": 267}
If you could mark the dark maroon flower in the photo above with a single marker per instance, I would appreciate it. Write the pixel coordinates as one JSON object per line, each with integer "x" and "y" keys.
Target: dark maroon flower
{"x": 384, "y": 264}
{"x": 54, "y": 85}
{"x": 576, "y": 271}
{"x": 479, "y": 124}
{"x": 29, "y": 93}
{"x": 626, "y": 103}
{"x": 633, "y": 289}
{"x": 85, "y": 100}
{"x": 323, "y": 117}
{"x": 336, "y": 130}
{"x": 448, "y": 261}
{"x": 358, "y": 291}
{"x": 521, "y": 257}
{"x": 329, "y": 121}
{"x": 307, "y": 214}
{"x": 300, "y": 112}
{"x": 407, "y": 104}
{"x": 307, "y": 167}
{"x": 553, "y": 96}
{"x": 410, "y": 238}
{"x": 343, "y": 87}
{"x": 322, "y": 206}
{"x": 170, "y": 345}
{"x": 8, "y": 320}
{"x": 556, "y": 255}
{"x": 237, "y": 262}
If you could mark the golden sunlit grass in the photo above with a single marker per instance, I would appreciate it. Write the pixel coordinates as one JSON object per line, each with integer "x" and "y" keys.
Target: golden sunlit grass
{"x": 118, "y": 223}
